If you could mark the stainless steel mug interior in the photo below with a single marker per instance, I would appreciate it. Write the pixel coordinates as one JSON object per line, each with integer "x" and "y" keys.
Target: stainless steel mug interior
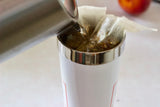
{"x": 92, "y": 58}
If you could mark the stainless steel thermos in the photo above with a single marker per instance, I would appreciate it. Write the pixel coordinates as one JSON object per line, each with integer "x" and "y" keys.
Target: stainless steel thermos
{"x": 24, "y": 23}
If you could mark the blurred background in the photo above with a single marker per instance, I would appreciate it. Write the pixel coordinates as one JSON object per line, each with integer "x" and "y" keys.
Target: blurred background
{"x": 32, "y": 79}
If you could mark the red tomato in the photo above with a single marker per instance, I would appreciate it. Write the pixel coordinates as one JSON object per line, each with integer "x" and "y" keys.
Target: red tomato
{"x": 134, "y": 6}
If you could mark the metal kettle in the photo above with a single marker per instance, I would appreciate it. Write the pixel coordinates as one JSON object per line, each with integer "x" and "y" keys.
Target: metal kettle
{"x": 24, "y": 23}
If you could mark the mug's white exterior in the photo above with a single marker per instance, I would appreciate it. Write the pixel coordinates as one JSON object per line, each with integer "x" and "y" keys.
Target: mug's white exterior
{"x": 89, "y": 85}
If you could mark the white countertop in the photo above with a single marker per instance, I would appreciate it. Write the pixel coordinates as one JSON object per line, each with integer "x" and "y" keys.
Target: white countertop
{"x": 32, "y": 79}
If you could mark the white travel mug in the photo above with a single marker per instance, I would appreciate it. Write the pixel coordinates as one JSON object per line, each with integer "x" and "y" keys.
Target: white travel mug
{"x": 89, "y": 78}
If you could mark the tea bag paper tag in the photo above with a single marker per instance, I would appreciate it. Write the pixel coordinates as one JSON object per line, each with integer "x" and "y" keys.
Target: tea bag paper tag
{"x": 90, "y": 15}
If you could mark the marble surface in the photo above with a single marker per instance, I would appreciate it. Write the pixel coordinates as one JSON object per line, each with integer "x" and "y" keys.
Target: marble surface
{"x": 32, "y": 79}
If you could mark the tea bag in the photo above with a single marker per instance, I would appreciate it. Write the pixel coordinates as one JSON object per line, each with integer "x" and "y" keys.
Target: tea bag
{"x": 99, "y": 31}
{"x": 115, "y": 26}
{"x": 105, "y": 31}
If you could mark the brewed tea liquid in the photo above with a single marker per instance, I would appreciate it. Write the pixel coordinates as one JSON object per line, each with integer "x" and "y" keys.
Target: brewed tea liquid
{"x": 81, "y": 38}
